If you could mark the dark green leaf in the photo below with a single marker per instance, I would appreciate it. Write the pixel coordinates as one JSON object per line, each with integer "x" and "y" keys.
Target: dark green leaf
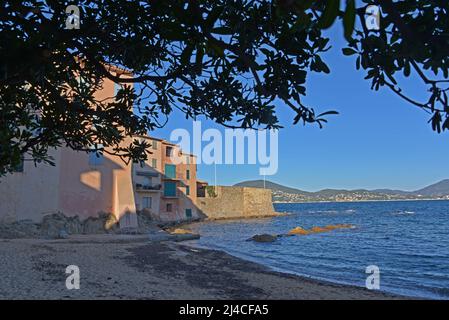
{"x": 349, "y": 19}
{"x": 222, "y": 30}
{"x": 348, "y": 51}
{"x": 330, "y": 14}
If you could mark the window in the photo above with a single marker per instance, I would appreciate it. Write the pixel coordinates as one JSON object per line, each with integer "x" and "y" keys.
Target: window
{"x": 170, "y": 189}
{"x": 187, "y": 174}
{"x": 154, "y": 163}
{"x": 189, "y": 213}
{"x": 169, "y": 207}
{"x": 170, "y": 171}
{"x": 168, "y": 151}
{"x": 147, "y": 202}
{"x": 154, "y": 144}
{"x": 96, "y": 155}
{"x": 187, "y": 159}
{"x": 188, "y": 190}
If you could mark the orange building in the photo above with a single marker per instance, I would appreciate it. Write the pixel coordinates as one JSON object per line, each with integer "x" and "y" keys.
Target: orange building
{"x": 85, "y": 184}
{"x": 165, "y": 185}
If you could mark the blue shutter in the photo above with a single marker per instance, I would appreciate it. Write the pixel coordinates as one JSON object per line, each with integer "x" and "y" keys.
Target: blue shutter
{"x": 170, "y": 171}
{"x": 170, "y": 189}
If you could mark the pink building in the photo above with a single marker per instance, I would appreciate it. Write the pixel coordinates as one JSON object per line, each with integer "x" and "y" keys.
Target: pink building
{"x": 164, "y": 187}
{"x": 84, "y": 184}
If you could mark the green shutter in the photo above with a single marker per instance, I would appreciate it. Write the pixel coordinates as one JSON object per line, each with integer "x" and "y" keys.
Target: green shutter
{"x": 189, "y": 213}
{"x": 170, "y": 189}
{"x": 170, "y": 171}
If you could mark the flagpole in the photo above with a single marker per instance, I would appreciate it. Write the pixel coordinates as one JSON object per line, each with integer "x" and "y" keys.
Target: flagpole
{"x": 215, "y": 174}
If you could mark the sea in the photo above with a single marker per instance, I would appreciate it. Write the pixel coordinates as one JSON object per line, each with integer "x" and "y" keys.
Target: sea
{"x": 407, "y": 242}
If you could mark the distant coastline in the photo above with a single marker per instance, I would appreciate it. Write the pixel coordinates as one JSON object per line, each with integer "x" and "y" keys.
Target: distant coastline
{"x": 285, "y": 194}
{"x": 367, "y": 200}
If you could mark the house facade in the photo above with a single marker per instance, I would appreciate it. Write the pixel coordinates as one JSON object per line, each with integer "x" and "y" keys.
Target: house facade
{"x": 85, "y": 184}
{"x": 165, "y": 184}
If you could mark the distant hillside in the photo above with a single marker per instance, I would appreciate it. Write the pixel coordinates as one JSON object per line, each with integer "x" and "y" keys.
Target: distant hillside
{"x": 439, "y": 190}
{"x": 390, "y": 191}
{"x": 270, "y": 185}
{"x": 436, "y": 189}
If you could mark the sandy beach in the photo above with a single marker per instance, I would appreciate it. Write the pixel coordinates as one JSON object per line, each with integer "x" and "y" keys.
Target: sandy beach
{"x": 130, "y": 267}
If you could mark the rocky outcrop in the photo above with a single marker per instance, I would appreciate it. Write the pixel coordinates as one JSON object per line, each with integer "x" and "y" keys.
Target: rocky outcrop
{"x": 59, "y": 226}
{"x": 318, "y": 230}
{"x": 180, "y": 231}
{"x": 163, "y": 235}
{"x": 301, "y": 231}
{"x": 298, "y": 230}
{"x": 21, "y": 229}
{"x": 263, "y": 238}
{"x": 52, "y": 225}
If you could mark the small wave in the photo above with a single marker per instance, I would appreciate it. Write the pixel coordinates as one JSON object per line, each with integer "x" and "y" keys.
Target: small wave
{"x": 438, "y": 292}
{"x": 402, "y": 213}
{"x": 332, "y": 211}
{"x": 323, "y": 211}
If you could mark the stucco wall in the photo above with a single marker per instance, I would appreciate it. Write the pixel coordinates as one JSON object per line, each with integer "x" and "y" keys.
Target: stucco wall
{"x": 86, "y": 189}
{"x": 237, "y": 202}
{"x": 32, "y": 193}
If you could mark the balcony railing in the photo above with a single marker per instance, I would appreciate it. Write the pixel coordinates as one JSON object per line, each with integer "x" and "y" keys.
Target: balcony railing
{"x": 145, "y": 187}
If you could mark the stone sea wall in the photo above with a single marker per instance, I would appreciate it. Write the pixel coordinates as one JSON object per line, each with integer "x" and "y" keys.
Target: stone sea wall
{"x": 236, "y": 202}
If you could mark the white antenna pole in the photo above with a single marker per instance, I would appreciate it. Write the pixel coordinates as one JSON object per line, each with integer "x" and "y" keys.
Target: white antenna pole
{"x": 215, "y": 173}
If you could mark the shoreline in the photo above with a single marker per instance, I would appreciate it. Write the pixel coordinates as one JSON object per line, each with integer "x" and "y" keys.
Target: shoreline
{"x": 35, "y": 269}
{"x": 387, "y": 200}
{"x": 304, "y": 277}
{"x": 279, "y": 271}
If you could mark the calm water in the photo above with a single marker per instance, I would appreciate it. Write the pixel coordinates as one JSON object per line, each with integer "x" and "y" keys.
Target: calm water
{"x": 407, "y": 240}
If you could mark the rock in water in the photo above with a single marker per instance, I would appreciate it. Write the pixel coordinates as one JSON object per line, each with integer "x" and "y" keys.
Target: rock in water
{"x": 180, "y": 231}
{"x": 263, "y": 238}
{"x": 298, "y": 230}
{"x": 318, "y": 229}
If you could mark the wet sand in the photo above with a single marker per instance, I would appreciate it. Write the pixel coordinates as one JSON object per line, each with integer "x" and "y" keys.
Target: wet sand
{"x": 133, "y": 268}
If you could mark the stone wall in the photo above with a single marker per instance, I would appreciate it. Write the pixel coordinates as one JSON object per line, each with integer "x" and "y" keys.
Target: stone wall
{"x": 237, "y": 202}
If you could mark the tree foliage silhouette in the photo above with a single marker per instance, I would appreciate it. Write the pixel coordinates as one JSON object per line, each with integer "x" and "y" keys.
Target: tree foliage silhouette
{"x": 228, "y": 61}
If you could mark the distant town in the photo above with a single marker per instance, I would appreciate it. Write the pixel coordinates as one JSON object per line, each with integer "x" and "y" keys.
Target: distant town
{"x": 280, "y": 193}
{"x": 279, "y": 196}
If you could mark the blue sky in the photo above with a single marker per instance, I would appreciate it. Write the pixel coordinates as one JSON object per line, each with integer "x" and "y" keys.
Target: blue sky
{"x": 377, "y": 141}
